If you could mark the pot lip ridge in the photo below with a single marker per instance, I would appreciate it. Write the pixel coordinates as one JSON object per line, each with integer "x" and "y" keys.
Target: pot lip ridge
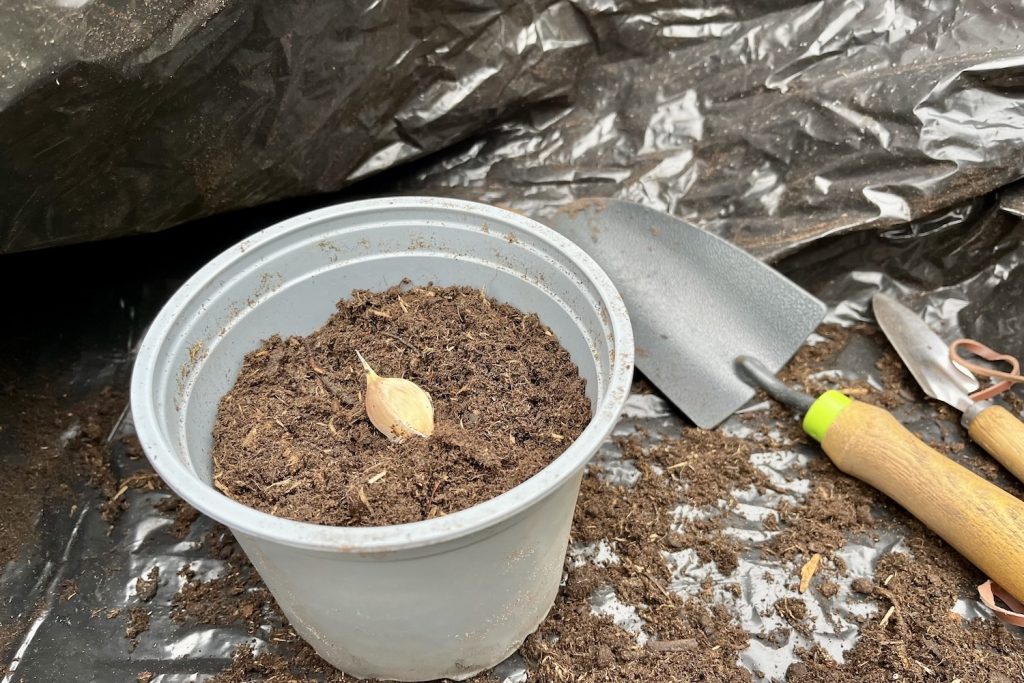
{"x": 187, "y": 484}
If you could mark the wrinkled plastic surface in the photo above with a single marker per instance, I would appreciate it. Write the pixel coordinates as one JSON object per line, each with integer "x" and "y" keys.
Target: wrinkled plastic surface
{"x": 962, "y": 270}
{"x": 770, "y": 123}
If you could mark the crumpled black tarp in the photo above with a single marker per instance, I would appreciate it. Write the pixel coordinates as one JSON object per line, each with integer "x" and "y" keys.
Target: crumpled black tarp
{"x": 770, "y": 123}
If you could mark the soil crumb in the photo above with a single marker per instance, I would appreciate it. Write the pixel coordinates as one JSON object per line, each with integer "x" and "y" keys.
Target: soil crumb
{"x": 237, "y": 596}
{"x": 68, "y": 590}
{"x": 292, "y": 437}
{"x": 37, "y": 474}
{"x": 247, "y": 665}
{"x": 863, "y": 585}
{"x": 145, "y": 586}
{"x": 923, "y": 639}
{"x": 136, "y": 623}
{"x": 184, "y": 515}
{"x": 794, "y": 611}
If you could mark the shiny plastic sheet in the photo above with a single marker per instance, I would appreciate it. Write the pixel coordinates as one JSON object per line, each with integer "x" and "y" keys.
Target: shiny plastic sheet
{"x": 119, "y": 117}
{"x": 963, "y": 270}
{"x": 770, "y": 123}
{"x": 775, "y": 129}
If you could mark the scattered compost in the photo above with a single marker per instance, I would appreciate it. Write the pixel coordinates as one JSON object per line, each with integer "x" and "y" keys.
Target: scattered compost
{"x": 909, "y": 628}
{"x": 30, "y": 484}
{"x": 146, "y": 586}
{"x": 238, "y": 596}
{"x": 136, "y": 623}
{"x": 292, "y": 437}
{"x": 60, "y": 442}
{"x": 696, "y": 637}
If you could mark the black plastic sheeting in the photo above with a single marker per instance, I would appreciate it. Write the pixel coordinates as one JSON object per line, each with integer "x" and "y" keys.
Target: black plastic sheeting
{"x": 779, "y": 125}
{"x": 963, "y": 270}
{"x": 770, "y": 123}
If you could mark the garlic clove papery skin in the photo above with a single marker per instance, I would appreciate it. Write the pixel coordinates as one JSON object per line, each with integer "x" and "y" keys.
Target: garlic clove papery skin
{"x": 397, "y": 407}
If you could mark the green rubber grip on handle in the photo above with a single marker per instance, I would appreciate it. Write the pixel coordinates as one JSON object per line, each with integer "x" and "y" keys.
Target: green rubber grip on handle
{"x": 823, "y": 412}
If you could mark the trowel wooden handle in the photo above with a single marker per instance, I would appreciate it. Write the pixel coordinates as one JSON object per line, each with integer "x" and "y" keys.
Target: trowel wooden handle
{"x": 979, "y": 519}
{"x": 1001, "y": 434}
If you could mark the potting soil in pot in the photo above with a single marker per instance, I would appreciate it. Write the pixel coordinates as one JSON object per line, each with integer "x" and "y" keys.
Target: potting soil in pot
{"x": 292, "y": 437}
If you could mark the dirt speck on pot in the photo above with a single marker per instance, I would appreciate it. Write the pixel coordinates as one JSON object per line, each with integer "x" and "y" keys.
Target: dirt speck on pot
{"x": 292, "y": 437}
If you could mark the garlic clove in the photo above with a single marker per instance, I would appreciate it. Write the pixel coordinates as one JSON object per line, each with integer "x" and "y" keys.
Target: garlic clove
{"x": 396, "y": 406}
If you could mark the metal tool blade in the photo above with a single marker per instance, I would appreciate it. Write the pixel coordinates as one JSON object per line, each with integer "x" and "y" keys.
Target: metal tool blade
{"x": 924, "y": 353}
{"x": 697, "y": 303}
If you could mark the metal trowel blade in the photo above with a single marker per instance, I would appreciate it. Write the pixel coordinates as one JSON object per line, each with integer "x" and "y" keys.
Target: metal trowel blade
{"x": 696, "y": 303}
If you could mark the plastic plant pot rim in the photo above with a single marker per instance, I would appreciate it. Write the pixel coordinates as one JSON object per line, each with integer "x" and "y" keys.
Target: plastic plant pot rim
{"x": 378, "y": 539}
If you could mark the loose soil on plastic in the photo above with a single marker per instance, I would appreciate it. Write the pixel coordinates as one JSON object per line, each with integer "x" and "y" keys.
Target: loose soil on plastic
{"x": 695, "y": 637}
{"x": 136, "y": 623}
{"x": 292, "y": 437}
{"x": 47, "y": 459}
{"x": 38, "y": 476}
{"x": 692, "y": 637}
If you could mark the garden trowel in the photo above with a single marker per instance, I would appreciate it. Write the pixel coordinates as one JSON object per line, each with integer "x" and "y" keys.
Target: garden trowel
{"x": 711, "y": 323}
{"x": 926, "y": 355}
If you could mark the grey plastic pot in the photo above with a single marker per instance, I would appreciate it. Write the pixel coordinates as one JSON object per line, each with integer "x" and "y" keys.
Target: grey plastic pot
{"x": 445, "y": 597}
